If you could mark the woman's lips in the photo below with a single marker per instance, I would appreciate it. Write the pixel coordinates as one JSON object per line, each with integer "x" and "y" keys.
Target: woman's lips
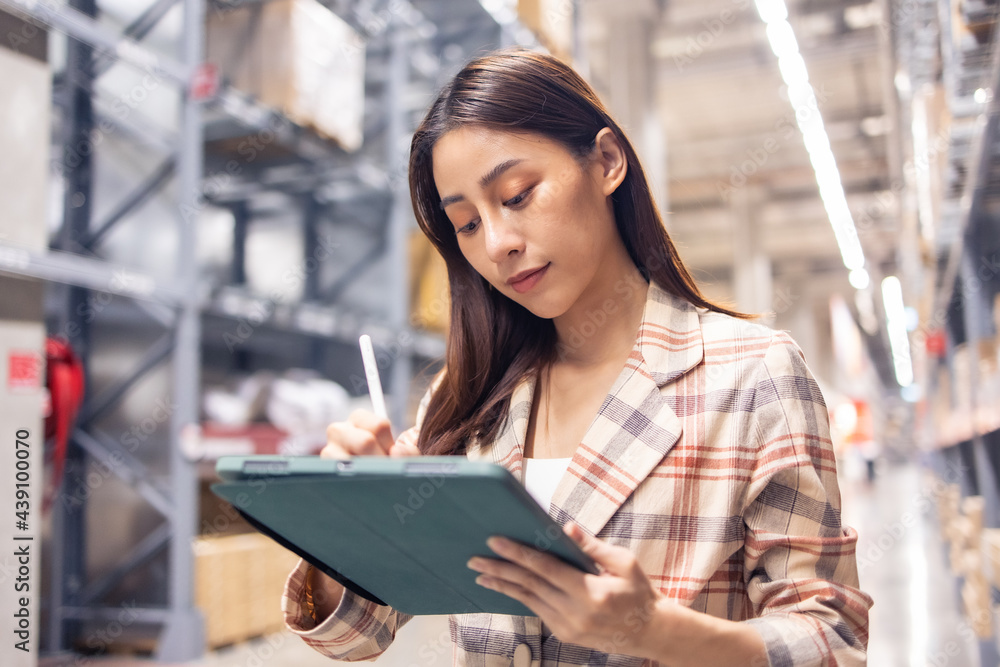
{"x": 524, "y": 284}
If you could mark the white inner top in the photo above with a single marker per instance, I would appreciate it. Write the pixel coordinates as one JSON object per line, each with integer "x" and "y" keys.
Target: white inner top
{"x": 541, "y": 477}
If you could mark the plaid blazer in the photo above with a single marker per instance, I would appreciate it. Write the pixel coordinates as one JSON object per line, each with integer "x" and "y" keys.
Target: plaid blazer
{"x": 711, "y": 460}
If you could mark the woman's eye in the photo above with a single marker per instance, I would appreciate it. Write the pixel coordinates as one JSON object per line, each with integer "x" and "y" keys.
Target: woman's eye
{"x": 516, "y": 200}
{"x": 468, "y": 228}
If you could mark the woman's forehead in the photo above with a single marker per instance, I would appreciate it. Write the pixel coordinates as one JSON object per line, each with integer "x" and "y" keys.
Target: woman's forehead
{"x": 465, "y": 151}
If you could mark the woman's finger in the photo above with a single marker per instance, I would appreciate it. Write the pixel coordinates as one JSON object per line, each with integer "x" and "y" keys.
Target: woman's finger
{"x": 352, "y": 440}
{"x": 401, "y": 448}
{"x": 516, "y": 574}
{"x": 530, "y": 598}
{"x": 334, "y": 451}
{"x": 377, "y": 426}
{"x": 543, "y": 566}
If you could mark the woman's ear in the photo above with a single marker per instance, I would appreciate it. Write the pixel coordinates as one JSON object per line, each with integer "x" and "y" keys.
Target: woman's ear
{"x": 611, "y": 156}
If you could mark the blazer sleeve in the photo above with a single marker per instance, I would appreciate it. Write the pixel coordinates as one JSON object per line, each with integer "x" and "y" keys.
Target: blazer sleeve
{"x": 800, "y": 561}
{"x": 358, "y": 629}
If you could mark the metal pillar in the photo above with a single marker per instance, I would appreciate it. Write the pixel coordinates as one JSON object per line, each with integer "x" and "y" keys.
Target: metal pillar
{"x": 399, "y": 225}
{"x": 183, "y": 636}
{"x": 752, "y": 274}
{"x": 630, "y": 95}
{"x": 69, "y": 517}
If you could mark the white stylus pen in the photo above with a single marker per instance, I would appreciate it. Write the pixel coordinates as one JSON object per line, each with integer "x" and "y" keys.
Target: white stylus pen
{"x": 371, "y": 374}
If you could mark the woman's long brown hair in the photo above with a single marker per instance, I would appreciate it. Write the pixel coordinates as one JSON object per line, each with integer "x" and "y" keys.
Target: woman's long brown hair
{"x": 493, "y": 343}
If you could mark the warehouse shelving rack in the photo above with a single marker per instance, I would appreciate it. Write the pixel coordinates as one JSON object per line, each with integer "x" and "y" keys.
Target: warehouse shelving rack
{"x": 409, "y": 36}
{"x": 957, "y": 293}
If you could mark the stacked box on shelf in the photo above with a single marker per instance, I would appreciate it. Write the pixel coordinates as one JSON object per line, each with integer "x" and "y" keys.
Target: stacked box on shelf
{"x": 238, "y": 585}
{"x": 296, "y": 56}
{"x": 941, "y": 410}
{"x": 965, "y": 532}
{"x": 429, "y": 297}
{"x": 991, "y": 555}
{"x": 218, "y": 589}
{"x": 988, "y": 387}
{"x": 948, "y": 504}
{"x": 268, "y": 567}
{"x": 976, "y": 607}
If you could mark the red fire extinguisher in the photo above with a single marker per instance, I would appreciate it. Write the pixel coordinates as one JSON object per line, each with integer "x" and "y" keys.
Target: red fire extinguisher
{"x": 64, "y": 378}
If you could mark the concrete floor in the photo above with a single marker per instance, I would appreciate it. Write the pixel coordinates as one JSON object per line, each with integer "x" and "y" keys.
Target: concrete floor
{"x": 915, "y": 621}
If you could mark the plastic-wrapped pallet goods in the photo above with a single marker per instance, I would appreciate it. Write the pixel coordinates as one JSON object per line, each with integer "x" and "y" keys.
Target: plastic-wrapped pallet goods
{"x": 296, "y": 56}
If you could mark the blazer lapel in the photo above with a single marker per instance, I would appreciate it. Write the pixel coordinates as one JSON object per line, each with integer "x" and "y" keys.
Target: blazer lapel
{"x": 508, "y": 447}
{"x": 635, "y": 427}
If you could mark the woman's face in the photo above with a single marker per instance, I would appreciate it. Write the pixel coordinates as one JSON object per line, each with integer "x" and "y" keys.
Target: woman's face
{"x": 529, "y": 217}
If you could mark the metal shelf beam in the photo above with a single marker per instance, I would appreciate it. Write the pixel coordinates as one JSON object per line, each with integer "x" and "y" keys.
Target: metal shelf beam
{"x": 85, "y": 29}
{"x": 89, "y": 272}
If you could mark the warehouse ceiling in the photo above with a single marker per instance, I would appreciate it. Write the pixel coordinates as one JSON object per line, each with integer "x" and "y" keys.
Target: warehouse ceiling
{"x": 731, "y": 134}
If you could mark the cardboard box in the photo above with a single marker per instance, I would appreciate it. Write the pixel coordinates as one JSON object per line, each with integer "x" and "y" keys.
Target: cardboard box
{"x": 976, "y": 606}
{"x": 430, "y": 303}
{"x": 296, "y": 56}
{"x": 239, "y": 580}
{"x": 972, "y": 509}
{"x": 991, "y": 555}
{"x": 948, "y": 504}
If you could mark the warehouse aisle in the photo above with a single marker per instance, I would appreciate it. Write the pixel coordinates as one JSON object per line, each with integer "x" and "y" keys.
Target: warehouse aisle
{"x": 903, "y": 565}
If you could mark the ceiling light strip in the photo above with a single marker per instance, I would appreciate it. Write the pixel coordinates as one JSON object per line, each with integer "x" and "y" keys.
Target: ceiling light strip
{"x": 803, "y": 100}
{"x": 899, "y": 342}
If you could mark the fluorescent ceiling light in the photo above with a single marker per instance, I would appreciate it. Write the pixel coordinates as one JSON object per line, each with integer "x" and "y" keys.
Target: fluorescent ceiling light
{"x": 793, "y": 70}
{"x": 782, "y": 39}
{"x": 802, "y": 97}
{"x": 772, "y": 10}
{"x": 859, "y": 279}
{"x": 895, "y": 317}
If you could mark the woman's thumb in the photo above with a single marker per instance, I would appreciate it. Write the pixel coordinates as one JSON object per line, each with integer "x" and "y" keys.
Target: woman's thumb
{"x": 613, "y": 559}
{"x": 405, "y": 445}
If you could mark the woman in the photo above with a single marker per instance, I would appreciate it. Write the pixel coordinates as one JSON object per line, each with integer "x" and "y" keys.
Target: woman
{"x": 684, "y": 448}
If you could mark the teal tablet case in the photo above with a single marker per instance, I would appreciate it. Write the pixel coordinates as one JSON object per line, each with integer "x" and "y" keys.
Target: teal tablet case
{"x": 396, "y": 531}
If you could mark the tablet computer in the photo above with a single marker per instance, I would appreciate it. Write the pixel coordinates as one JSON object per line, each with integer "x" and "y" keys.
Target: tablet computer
{"x": 396, "y": 531}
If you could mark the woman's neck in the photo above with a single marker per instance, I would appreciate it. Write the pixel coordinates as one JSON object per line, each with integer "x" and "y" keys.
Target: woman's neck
{"x": 602, "y": 325}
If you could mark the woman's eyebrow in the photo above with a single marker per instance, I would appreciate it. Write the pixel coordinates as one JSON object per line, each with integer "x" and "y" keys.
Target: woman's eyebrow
{"x": 484, "y": 182}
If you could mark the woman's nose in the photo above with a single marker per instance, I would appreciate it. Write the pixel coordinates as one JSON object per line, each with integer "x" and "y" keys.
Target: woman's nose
{"x": 502, "y": 238}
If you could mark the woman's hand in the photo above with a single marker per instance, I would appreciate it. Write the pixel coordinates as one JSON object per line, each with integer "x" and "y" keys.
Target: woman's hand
{"x": 609, "y": 612}
{"x": 365, "y": 434}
